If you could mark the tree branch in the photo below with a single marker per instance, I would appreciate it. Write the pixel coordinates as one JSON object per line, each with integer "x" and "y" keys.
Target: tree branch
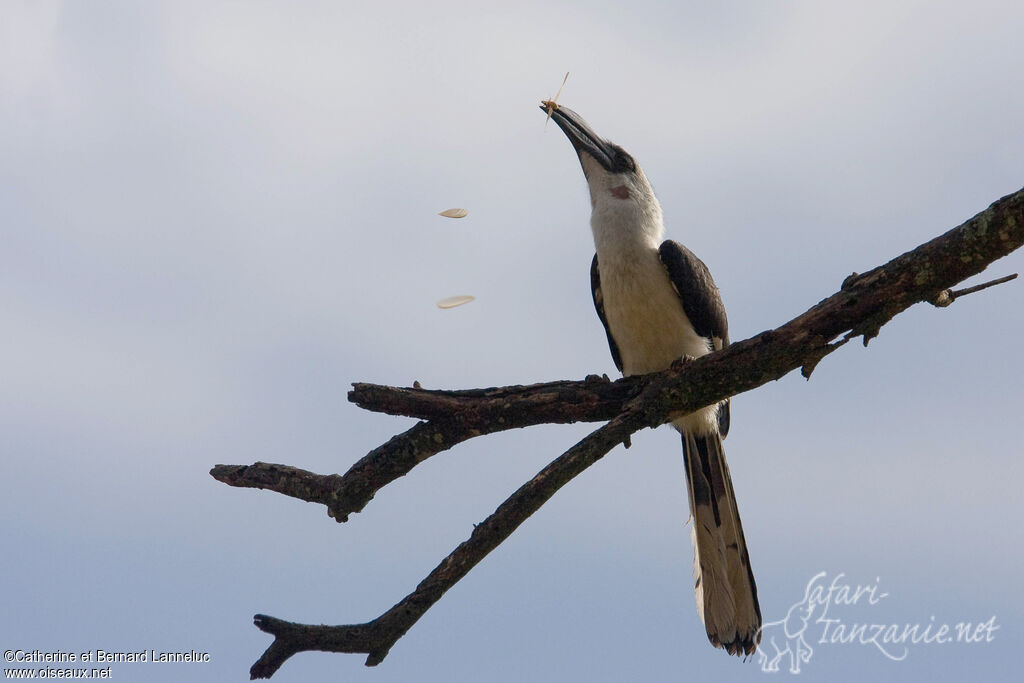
{"x": 376, "y": 637}
{"x": 350, "y": 493}
{"x": 860, "y": 308}
{"x": 453, "y": 417}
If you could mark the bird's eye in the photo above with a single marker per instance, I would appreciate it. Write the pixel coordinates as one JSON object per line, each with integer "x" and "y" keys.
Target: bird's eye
{"x": 623, "y": 162}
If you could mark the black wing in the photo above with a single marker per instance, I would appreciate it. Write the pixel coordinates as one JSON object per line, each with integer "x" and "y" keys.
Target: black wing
{"x": 701, "y": 302}
{"x": 595, "y": 288}
{"x": 697, "y": 292}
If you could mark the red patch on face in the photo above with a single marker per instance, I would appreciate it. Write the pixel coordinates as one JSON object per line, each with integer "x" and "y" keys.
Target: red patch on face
{"x": 620, "y": 192}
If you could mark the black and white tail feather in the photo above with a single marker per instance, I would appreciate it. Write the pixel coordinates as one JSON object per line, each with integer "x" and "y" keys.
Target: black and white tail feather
{"x": 725, "y": 588}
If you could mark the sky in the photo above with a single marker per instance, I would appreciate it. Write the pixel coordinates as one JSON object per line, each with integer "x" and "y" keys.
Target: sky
{"x": 218, "y": 215}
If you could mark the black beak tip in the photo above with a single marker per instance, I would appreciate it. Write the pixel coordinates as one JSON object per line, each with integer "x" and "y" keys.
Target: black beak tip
{"x": 549, "y": 107}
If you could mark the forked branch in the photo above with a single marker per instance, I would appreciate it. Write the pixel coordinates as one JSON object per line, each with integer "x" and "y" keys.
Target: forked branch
{"x": 376, "y": 637}
{"x": 860, "y": 308}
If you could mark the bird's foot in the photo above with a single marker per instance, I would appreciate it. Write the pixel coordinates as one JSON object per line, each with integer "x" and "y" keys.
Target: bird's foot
{"x": 680, "y": 363}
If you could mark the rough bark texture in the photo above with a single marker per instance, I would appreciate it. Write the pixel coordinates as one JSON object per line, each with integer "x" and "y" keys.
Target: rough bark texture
{"x": 864, "y": 303}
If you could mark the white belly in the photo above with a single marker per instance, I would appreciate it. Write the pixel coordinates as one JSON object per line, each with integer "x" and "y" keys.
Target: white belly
{"x": 648, "y": 324}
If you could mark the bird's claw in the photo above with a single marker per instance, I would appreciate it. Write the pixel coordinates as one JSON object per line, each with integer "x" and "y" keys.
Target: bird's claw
{"x": 682, "y": 361}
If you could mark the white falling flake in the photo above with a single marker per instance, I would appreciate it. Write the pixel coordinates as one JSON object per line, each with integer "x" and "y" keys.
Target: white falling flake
{"x": 454, "y": 213}
{"x": 453, "y": 301}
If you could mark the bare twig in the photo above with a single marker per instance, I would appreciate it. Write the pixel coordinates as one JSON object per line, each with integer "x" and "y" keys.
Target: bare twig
{"x": 346, "y": 494}
{"x": 948, "y": 296}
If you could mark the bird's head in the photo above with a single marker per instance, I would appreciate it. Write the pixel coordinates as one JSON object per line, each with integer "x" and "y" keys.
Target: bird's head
{"x": 618, "y": 187}
{"x": 615, "y": 181}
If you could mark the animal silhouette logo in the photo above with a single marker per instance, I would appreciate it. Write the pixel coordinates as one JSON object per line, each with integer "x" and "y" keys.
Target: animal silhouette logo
{"x": 786, "y": 636}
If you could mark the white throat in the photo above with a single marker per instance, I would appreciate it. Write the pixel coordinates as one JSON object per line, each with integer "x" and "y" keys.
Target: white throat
{"x": 623, "y": 227}
{"x": 642, "y": 306}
